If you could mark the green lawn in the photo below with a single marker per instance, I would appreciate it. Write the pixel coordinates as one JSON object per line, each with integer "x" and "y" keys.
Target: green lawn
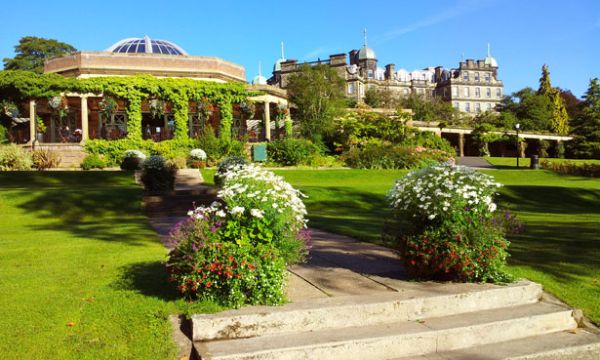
{"x": 560, "y": 247}
{"x": 511, "y": 162}
{"x": 76, "y": 249}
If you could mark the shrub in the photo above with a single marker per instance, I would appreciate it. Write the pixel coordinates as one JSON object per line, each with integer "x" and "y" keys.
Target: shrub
{"x": 3, "y": 134}
{"x": 291, "y": 152}
{"x": 14, "y": 157}
{"x": 235, "y": 251}
{"x": 132, "y": 160}
{"x": 177, "y": 162}
{"x": 376, "y": 154}
{"x": 572, "y": 168}
{"x": 157, "y": 175}
{"x": 93, "y": 161}
{"x": 446, "y": 225}
{"x": 45, "y": 159}
{"x": 227, "y": 165}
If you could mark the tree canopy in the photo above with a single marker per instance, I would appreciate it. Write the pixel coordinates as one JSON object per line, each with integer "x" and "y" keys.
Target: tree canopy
{"x": 586, "y": 127}
{"x": 318, "y": 92}
{"x": 31, "y": 52}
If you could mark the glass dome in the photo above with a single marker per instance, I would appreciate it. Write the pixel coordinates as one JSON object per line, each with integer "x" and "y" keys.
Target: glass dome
{"x": 146, "y": 45}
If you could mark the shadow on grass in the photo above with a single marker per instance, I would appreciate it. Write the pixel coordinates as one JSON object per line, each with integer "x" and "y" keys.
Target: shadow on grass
{"x": 96, "y": 205}
{"x": 147, "y": 278}
{"x": 552, "y": 199}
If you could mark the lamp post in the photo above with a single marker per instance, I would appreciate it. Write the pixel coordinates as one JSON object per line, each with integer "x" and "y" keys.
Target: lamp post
{"x": 517, "y": 126}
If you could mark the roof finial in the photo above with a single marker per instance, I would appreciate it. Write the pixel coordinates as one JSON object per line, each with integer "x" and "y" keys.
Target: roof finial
{"x": 365, "y": 31}
{"x": 282, "y": 52}
{"x": 489, "y": 52}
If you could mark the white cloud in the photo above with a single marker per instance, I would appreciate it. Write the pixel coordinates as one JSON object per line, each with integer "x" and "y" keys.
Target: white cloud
{"x": 461, "y": 8}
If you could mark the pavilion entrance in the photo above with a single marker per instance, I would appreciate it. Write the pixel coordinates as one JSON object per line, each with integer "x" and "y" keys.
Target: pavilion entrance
{"x": 157, "y": 128}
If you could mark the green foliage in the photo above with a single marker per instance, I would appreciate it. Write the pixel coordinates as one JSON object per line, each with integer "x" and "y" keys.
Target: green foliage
{"x": 586, "y": 127}
{"x": 33, "y": 51}
{"x": 318, "y": 93}
{"x": 545, "y": 88}
{"x": 482, "y": 137}
{"x": 544, "y": 145}
{"x": 445, "y": 225}
{"x": 560, "y": 117}
{"x": 133, "y": 90}
{"x": 378, "y": 154}
{"x": 373, "y": 98}
{"x": 157, "y": 174}
{"x": 532, "y": 110}
{"x": 3, "y": 134}
{"x": 428, "y": 140}
{"x": 44, "y": 159}
{"x": 572, "y": 168}
{"x": 430, "y": 109}
{"x": 14, "y": 157}
{"x": 93, "y": 161}
{"x": 292, "y": 152}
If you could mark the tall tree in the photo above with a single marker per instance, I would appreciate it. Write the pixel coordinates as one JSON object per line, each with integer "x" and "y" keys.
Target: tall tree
{"x": 560, "y": 117}
{"x": 318, "y": 93}
{"x": 586, "y": 127}
{"x": 545, "y": 84}
{"x": 32, "y": 51}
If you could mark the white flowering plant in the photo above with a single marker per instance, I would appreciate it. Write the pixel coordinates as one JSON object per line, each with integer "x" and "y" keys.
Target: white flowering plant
{"x": 157, "y": 174}
{"x": 259, "y": 219}
{"x": 198, "y": 154}
{"x": 446, "y": 224}
{"x": 132, "y": 159}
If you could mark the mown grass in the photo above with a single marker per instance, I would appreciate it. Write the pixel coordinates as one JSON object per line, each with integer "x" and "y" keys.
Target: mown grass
{"x": 80, "y": 270}
{"x": 560, "y": 247}
{"x": 511, "y": 162}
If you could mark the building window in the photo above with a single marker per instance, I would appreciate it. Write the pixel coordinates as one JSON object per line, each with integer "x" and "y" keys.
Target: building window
{"x": 370, "y": 74}
{"x": 406, "y": 92}
{"x": 489, "y": 107}
{"x": 488, "y": 92}
{"x": 476, "y": 76}
{"x": 488, "y": 78}
{"x": 477, "y": 107}
{"x": 466, "y": 76}
{"x": 454, "y": 91}
{"x": 498, "y": 93}
{"x": 466, "y": 92}
{"x": 477, "y": 92}
{"x": 456, "y": 104}
{"x": 468, "y": 107}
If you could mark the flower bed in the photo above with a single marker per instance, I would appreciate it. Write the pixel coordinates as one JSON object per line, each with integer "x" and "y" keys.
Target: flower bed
{"x": 447, "y": 227}
{"x": 236, "y": 250}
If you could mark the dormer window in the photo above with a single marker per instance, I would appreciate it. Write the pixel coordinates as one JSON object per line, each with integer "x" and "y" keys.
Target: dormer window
{"x": 466, "y": 76}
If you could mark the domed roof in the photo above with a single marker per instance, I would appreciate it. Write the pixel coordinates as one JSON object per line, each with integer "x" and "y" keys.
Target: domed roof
{"x": 277, "y": 66}
{"x": 259, "y": 80}
{"x": 366, "y": 53}
{"x": 146, "y": 45}
{"x": 491, "y": 61}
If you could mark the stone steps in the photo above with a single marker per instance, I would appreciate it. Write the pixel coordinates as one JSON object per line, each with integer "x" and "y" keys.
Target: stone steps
{"x": 463, "y": 322}
{"x": 581, "y": 345}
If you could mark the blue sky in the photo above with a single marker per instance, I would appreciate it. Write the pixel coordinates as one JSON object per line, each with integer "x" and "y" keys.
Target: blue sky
{"x": 523, "y": 34}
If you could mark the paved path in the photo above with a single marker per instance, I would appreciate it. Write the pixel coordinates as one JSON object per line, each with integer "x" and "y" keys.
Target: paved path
{"x": 474, "y": 162}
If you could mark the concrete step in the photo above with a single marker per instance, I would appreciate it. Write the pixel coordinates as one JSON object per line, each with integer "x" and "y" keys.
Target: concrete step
{"x": 581, "y": 345}
{"x": 379, "y": 308}
{"x": 405, "y": 338}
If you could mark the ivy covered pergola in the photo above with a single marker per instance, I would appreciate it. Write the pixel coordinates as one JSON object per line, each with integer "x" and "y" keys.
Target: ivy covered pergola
{"x": 133, "y": 96}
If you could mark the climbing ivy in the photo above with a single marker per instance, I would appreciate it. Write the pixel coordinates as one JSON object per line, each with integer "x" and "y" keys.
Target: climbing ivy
{"x": 24, "y": 85}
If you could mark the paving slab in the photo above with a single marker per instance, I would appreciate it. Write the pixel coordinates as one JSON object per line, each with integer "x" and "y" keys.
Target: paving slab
{"x": 188, "y": 179}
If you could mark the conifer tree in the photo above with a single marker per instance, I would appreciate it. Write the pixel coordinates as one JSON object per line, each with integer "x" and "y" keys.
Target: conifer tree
{"x": 545, "y": 84}
{"x": 560, "y": 117}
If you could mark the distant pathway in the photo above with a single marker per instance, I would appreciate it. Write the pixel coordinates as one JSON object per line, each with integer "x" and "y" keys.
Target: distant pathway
{"x": 474, "y": 162}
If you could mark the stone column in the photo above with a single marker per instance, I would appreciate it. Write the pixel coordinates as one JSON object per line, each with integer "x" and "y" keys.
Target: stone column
{"x": 461, "y": 144}
{"x": 32, "y": 132}
{"x": 267, "y": 121}
{"x": 85, "y": 131}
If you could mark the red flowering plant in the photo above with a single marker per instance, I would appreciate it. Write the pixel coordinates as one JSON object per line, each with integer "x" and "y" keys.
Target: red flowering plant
{"x": 447, "y": 226}
{"x": 205, "y": 265}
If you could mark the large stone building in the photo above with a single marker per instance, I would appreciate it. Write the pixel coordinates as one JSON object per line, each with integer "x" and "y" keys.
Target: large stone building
{"x": 472, "y": 87}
